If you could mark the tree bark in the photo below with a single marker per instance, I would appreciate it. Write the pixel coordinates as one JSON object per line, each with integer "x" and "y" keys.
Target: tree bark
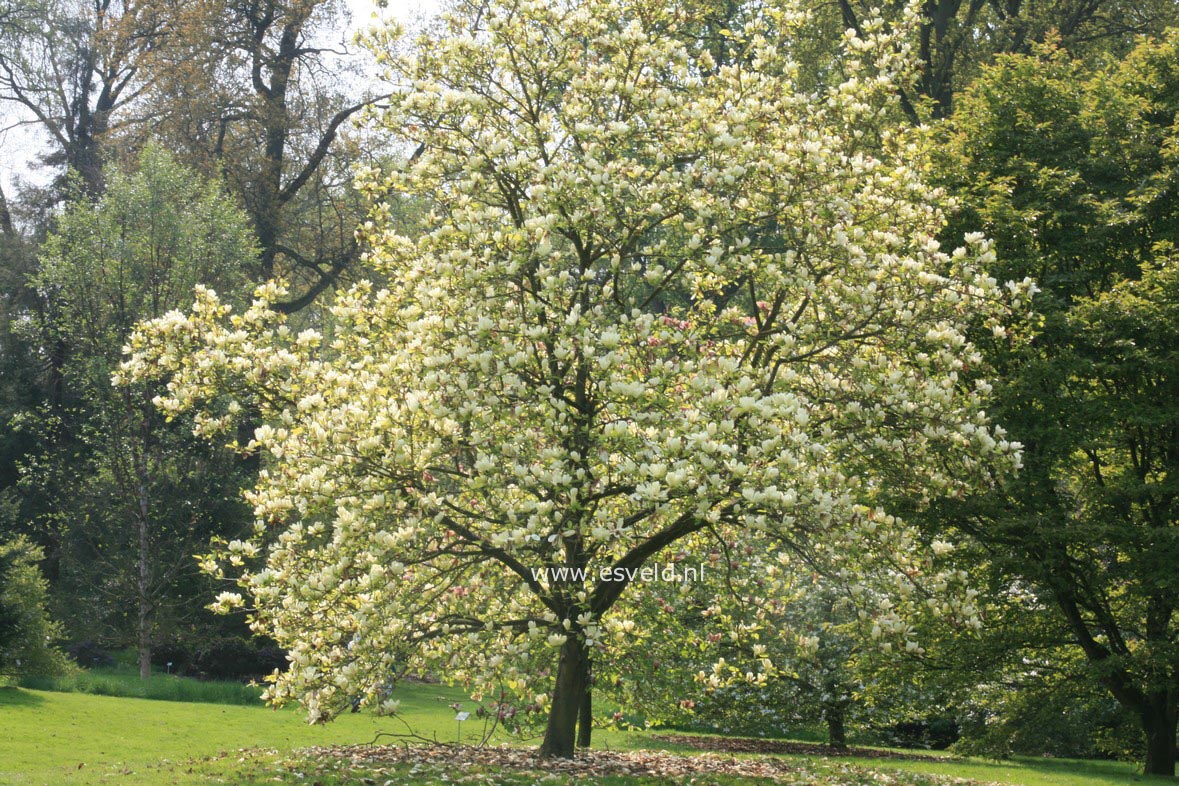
{"x": 143, "y": 520}
{"x": 144, "y": 628}
{"x": 836, "y": 730}
{"x": 1158, "y": 723}
{"x": 585, "y": 718}
{"x": 1156, "y": 709}
{"x": 6, "y": 227}
{"x": 568, "y": 694}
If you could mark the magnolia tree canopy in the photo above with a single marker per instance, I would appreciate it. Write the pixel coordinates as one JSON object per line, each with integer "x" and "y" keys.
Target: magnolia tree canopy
{"x": 667, "y": 303}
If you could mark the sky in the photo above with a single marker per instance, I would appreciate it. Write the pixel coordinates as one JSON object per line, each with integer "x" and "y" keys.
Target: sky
{"x": 19, "y": 142}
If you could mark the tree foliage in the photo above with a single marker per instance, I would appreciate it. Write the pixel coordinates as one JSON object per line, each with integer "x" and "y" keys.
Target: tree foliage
{"x": 1074, "y": 176}
{"x": 954, "y": 39}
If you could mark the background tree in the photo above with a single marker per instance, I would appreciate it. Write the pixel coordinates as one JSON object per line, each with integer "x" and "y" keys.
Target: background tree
{"x": 259, "y": 95}
{"x": 1074, "y": 176}
{"x": 264, "y": 95}
{"x": 283, "y": 145}
{"x": 955, "y": 38}
{"x": 69, "y": 67}
{"x": 809, "y": 632}
{"x": 649, "y": 313}
{"x": 135, "y": 254}
{"x": 20, "y": 362}
{"x": 826, "y": 640}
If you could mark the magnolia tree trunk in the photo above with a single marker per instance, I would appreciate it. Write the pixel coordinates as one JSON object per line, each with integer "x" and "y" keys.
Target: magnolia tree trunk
{"x": 568, "y": 695}
{"x": 585, "y": 719}
{"x": 1158, "y": 722}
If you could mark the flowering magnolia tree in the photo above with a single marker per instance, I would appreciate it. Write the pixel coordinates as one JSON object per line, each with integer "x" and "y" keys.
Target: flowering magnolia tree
{"x": 667, "y": 303}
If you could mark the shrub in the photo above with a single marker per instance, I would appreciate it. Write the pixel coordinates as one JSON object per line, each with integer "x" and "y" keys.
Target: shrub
{"x": 174, "y": 656}
{"x": 90, "y": 654}
{"x": 1069, "y": 719}
{"x": 27, "y": 635}
{"x": 936, "y": 732}
{"x": 234, "y": 658}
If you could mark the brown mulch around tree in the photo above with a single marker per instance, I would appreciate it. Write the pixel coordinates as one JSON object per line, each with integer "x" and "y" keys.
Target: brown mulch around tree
{"x": 596, "y": 764}
{"x": 754, "y": 745}
{"x": 588, "y": 763}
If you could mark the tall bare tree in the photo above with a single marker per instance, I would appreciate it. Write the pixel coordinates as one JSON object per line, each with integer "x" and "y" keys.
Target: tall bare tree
{"x": 263, "y": 92}
{"x": 69, "y": 67}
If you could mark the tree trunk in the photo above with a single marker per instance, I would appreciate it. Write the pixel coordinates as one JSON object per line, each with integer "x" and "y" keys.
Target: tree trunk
{"x": 568, "y": 695}
{"x": 585, "y": 718}
{"x": 143, "y": 519}
{"x": 836, "y": 731}
{"x": 1159, "y": 725}
{"x": 144, "y": 591}
{"x": 6, "y": 227}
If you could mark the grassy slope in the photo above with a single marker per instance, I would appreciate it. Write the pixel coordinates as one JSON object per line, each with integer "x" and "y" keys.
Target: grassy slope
{"x": 74, "y": 739}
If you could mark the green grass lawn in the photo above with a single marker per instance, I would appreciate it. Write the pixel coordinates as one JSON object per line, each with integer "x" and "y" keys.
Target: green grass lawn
{"x": 80, "y": 739}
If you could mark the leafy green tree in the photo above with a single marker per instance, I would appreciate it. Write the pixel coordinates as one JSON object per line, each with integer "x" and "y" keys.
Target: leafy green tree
{"x": 1074, "y": 175}
{"x": 134, "y": 495}
{"x": 19, "y": 356}
{"x": 823, "y": 640}
{"x": 662, "y": 303}
{"x": 27, "y": 635}
{"x": 261, "y": 96}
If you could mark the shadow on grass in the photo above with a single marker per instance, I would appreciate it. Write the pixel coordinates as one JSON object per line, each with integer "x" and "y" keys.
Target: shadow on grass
{"x": 1031, "y": 771}
{"x": 1101, "y": 771}
{"x": 12, "y": 696}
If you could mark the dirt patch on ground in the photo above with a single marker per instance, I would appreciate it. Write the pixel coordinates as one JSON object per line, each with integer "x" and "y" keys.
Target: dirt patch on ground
{"x": 754, "y": 745}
